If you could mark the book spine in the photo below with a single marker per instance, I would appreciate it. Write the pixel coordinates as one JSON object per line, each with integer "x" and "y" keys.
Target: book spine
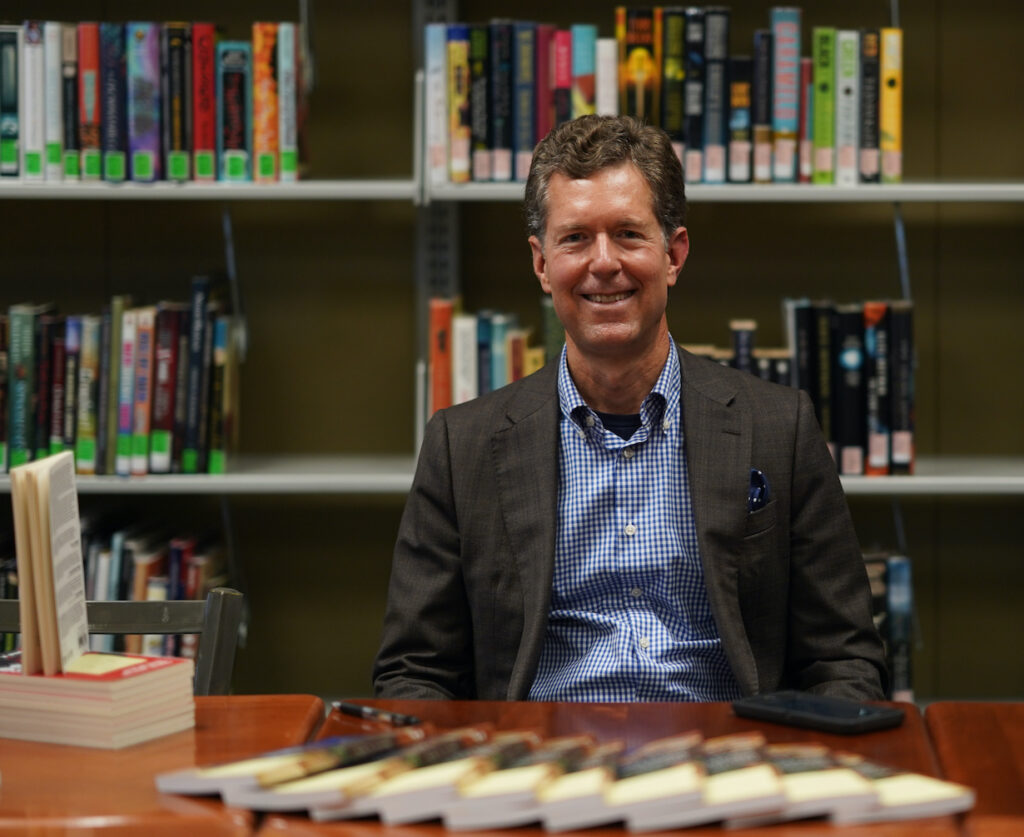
{"x": 876, "y": 374}
{"x": 465, "y": 379}
{"x": 638, "y": 72}
{"x": 606, "y": 77}
{"x": 500, "y": 324}
{"x": 741, "y": 136}
{"x": 11, "y": 39}
{"x": 176, "y": 99}
{"x": 716, "y": 93}
{"x": 761, "y": 106}
{"x": 88, "y": 386}
{"x": 218, "y": 446}
{"x": 822, "y": 315}
{"x": 785, "y": 26}
{"x": 673, "y": 76}
{"x": 181, "y": 395}
{"x": 900, "y": 591}
{"x": 47, "y": 327}
{"x": 868, "y": 156}
{"x": 805, "y": 140}
{"x": 113, "y": 103}
{"x": 118, "y": 304}
{"x": 103, "y": 393}
{"x": 196, "y": 355}
{"x": 693, "y": 155}
{"x": 502, "y": 50}
{"x": 54, "y": 85}
{"x": 523, "y": 105}
{"x": 126, "y": 394}
{"x": 744, "y": 339}
{"x": 441, "y": 315}
{"x": 58, "y": 369}
{"x": 480, "y": 120}
{"x": 287, "y": 102}
{"x": 71, "y": 148}
{"x": 33, "y": 102}
{"x": 848, "y": 386}
{"x": 435, "y": 114}
{"x": 234, "y": 111}
{"x": 823, "y": 41}
{"x": 89, "y": 98}
{"x": 901, "y": 386}
{"x": 21, "y": 382}
{"x": 544, "y": 116}
{"x": 584, "y": 69}
{"x": 483, "y": 351}
{"x": 459, "y": 128}
{"x": 72, "y": 359}
{"x": 205, "y": 380}
{"x": 847, "y": 106}
{"x": 563, "y": 76}
{"x": 165, "y": 360}
{"x": 265, "y": 114}
{"x": 890, "y": 105}
{"x": 204, "y": 102}
{"x": 142, "y": 46}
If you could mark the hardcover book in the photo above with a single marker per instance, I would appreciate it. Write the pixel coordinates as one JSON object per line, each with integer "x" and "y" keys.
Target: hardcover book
{"x": 53, "y": 83}
{"x": 716, "y": 92}
{"x": 501, "y": 52}
{"x": 890, "y": 104}
{"x": 524, "y": 106}
{"x": 639, "y": 62}
{"x": 125, "y": 394}
{"x": 234, "y": 111}
{"x": 673, "y": 76}
{"x": 584, "y": 70}
{"x": 88, "y": 390}
{"x": 33, "y": 102}
{"x": 176, "y": 99}
{"x": 113, "y": 103}
{"x": 901, "y": 386}
{"x": 142, "y": 43}
{"x": 265, "y": 113}
{"x": 204, "y": 102}
{"x": 847, "y": 107}
{"x": 459, "y": 126}
{"x": 11, "y": 39}
{"x": 823, "y": 41}
{"x": 287, "y": 101}
{"x": 89, "y": 100}
{"x": 606, "y": 77}
{"x": 868, "y": 160}
{"x": 171, "y": 323}
{"x": 71, "y": 148}
{"x": 876, "y": 376}
{"x": 805, "y": 137}
{"x": 562, "y": 93}
{"x": 435, "y": 109}
{"x": 785, "y": 26}
{"x": 741, "y": 136}
{"x": 693, "y": 156}
{"x": 480, "y": 119}
{"x": 761, "y": 106}
{"x": 848, "y": 387}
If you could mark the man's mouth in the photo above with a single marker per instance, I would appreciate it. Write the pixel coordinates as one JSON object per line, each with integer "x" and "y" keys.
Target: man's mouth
{"x": 607, "y": 298}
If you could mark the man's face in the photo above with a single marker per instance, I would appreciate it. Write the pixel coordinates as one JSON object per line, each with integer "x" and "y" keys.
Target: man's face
{"x": 605, "y": 263}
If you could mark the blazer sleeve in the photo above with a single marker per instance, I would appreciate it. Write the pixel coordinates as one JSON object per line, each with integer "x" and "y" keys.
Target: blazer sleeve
{"x": 426, "y": 645}
{"x": 833, "y": 645}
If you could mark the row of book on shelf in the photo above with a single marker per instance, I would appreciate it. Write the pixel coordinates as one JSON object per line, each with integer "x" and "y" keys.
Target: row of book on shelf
{"x": 137, "y": 389}
{"x": 146, "y": 101}
{"x": 476, "y": 777}
{"x": 855, "y": 360}
{"x": 763, "y": 113}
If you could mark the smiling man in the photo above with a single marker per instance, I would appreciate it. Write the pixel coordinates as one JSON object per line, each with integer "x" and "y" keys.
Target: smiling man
{"x": 631, "y": 522}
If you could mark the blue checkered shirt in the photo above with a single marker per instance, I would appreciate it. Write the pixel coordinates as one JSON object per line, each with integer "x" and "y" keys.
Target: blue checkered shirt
{"x": 630, "y": 618}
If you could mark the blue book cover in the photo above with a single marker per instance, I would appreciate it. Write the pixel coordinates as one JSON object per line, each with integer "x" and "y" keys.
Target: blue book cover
{"x": 234, "y": 110}
{"x": 483, "y": 358}
{"x": 113, "y": 93}
{"x": 142, "y": 42}
{"x": 584, "y": 68}
{"x": 524, "y": 107}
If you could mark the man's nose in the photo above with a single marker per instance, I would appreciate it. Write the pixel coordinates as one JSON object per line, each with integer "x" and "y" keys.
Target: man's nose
{"x": 605, "y": 254}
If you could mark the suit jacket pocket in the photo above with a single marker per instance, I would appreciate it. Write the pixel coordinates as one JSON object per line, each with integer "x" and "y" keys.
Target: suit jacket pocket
{"x": 761, "y": 521}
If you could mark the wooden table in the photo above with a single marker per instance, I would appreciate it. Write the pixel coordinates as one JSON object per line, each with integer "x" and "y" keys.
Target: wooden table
{"x": 982, "y": 745}
{"x": 905, "y": 747}
{"x": 49, "y": 789}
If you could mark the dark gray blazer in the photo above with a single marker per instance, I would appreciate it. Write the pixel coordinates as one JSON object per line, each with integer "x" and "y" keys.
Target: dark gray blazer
{"x": 471, "y": 580}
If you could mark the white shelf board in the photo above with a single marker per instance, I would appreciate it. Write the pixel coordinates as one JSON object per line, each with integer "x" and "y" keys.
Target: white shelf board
{"x": 304, "y": 190}
{"x": 392, "y": 474}
{"x": 965, "y": 192}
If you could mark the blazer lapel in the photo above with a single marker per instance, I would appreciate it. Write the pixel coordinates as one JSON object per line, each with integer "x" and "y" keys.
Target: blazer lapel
{"x": 526, "y": 471}
{"x": 717, "y": 437}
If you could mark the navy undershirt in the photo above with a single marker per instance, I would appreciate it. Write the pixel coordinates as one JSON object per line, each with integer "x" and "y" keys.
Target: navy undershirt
{"x": 621, "y": 425}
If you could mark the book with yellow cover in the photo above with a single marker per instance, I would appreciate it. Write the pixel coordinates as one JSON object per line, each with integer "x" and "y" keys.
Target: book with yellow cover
{"x": 890, "y": 104}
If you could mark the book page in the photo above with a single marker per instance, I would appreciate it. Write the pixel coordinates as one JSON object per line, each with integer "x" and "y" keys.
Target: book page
{"x": 65, "y": 533}
{"x": 42, "y": 571}
{"x": 31, "y": 653}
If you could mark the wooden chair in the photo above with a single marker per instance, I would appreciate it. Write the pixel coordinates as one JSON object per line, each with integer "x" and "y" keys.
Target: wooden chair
{"x": 215, "y": 620}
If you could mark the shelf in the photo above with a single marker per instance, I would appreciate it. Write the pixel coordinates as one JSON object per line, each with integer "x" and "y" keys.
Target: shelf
{"x": 345, "y": 475}
{"x": 779, "y": 193}
{"x": 303, "y": 190}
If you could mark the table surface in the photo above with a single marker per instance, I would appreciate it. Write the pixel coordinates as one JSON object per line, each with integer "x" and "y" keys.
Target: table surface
{"x": 635, "y": 723}
{"x": 55, "y": 789}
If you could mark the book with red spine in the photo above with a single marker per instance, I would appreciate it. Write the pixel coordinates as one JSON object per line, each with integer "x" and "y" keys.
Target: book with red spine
{"x": 204, "y": 101}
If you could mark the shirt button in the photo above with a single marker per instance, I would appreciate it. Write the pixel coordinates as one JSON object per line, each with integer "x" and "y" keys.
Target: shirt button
{"x": 590, "y": 421}
{"x": 645, "y": 643}
{"x": 628, "y": 453}
{"x": 636, "y": 592}
{"x": 630, "y": 529}
{"x": 666, "y": 424}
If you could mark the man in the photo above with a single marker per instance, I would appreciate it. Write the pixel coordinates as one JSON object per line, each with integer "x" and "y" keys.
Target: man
{"x": 631, "y": 522}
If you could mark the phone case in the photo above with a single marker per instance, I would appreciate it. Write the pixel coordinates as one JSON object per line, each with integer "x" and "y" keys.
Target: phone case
{"x": 820, "y": 712}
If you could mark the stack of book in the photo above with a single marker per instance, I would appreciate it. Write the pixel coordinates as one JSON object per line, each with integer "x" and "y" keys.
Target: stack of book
{"x": 146, "y": 101}
{"x": 54, "y": 689}
{"x": 475, "y": 778}
{"x": 782, "y": 109}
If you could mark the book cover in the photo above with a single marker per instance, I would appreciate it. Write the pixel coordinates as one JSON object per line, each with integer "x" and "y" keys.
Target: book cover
{"x": 673, "y": 76}
{"x": 465, "y": 377}
{"x": 113, "y": 103}
{"x": 584, "y": 69}
{"x": 11, "y": 39}
{"x": 900, "y": 624}
{"x": 287, "y": 101}
{"x": 234, "y": 111}
{"x": 106, "y": 360}
{"x": 606, "y": 77}
{"x": 118, "y": 304}
{"x": 848, "y": 388}
{"x": 890, "y": 104}
{"x": 805, "y": 139}
{"x": 53, "y": 84}
{"x": 89, "y": 101}
{"x": 524, "y": 107}
{"x": 483, "y": 350}
{"x": 847, "y": 107}
{"x": 125, "y": 393}
{"x": 21, "y": 375}
{"x": 195, "y": 392}
{"x": 500, "y": 324}
{"x": 562, "y": 93}
{"x": 639, "y": 69}
{"x": 741, "y": 134}
{"x": 33, "y": 102}
{"x": 435, "y": 107}
{"x": 583, "y": 785}
{"x": 142, "y": 45}
{"x": 480, "y": 119}
{"x": 823, "y": 42}
{"x": 693, "y": 155}
{"x": 176, "y": 99}
{"x": 761, "y": 106}
{"x": 58, "y": 369}
{"x": 459, "y": 125}
{"x": 87, "y": 398}
{"x": 868, "y": 165}
{"x": 219, "y": 417}
{"x": 502, "y": 49}
{"x": 785, "y": 28}
{"x": 901, "y": 386}
{"x": 48, "y": 327}
{"x": 204, "y": 102}
{"x": 181, "y": 394}
{"x": 71, "y": 147}
{"x": 544, "y": 96}
{"x": 171, "y": 321}
{"x": 265, "y": 113}
{"x": 716, "y": 93}
{"x": 878, "y": 407}
{"x": 442, "y": 311}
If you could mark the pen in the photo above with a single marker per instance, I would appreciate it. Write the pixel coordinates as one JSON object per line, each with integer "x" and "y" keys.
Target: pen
{"x": 371, "y": 713}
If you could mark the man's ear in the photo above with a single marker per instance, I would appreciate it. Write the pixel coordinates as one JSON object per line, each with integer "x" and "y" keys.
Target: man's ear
{"x": 539, "y": 263}
{"x": 678, "y": 250}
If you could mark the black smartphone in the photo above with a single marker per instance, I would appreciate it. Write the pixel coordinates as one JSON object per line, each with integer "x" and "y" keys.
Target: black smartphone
{"x": 820, "y": 712}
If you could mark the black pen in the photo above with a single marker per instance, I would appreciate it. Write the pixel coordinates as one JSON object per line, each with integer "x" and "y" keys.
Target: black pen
{"x": 371, "y": 713}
